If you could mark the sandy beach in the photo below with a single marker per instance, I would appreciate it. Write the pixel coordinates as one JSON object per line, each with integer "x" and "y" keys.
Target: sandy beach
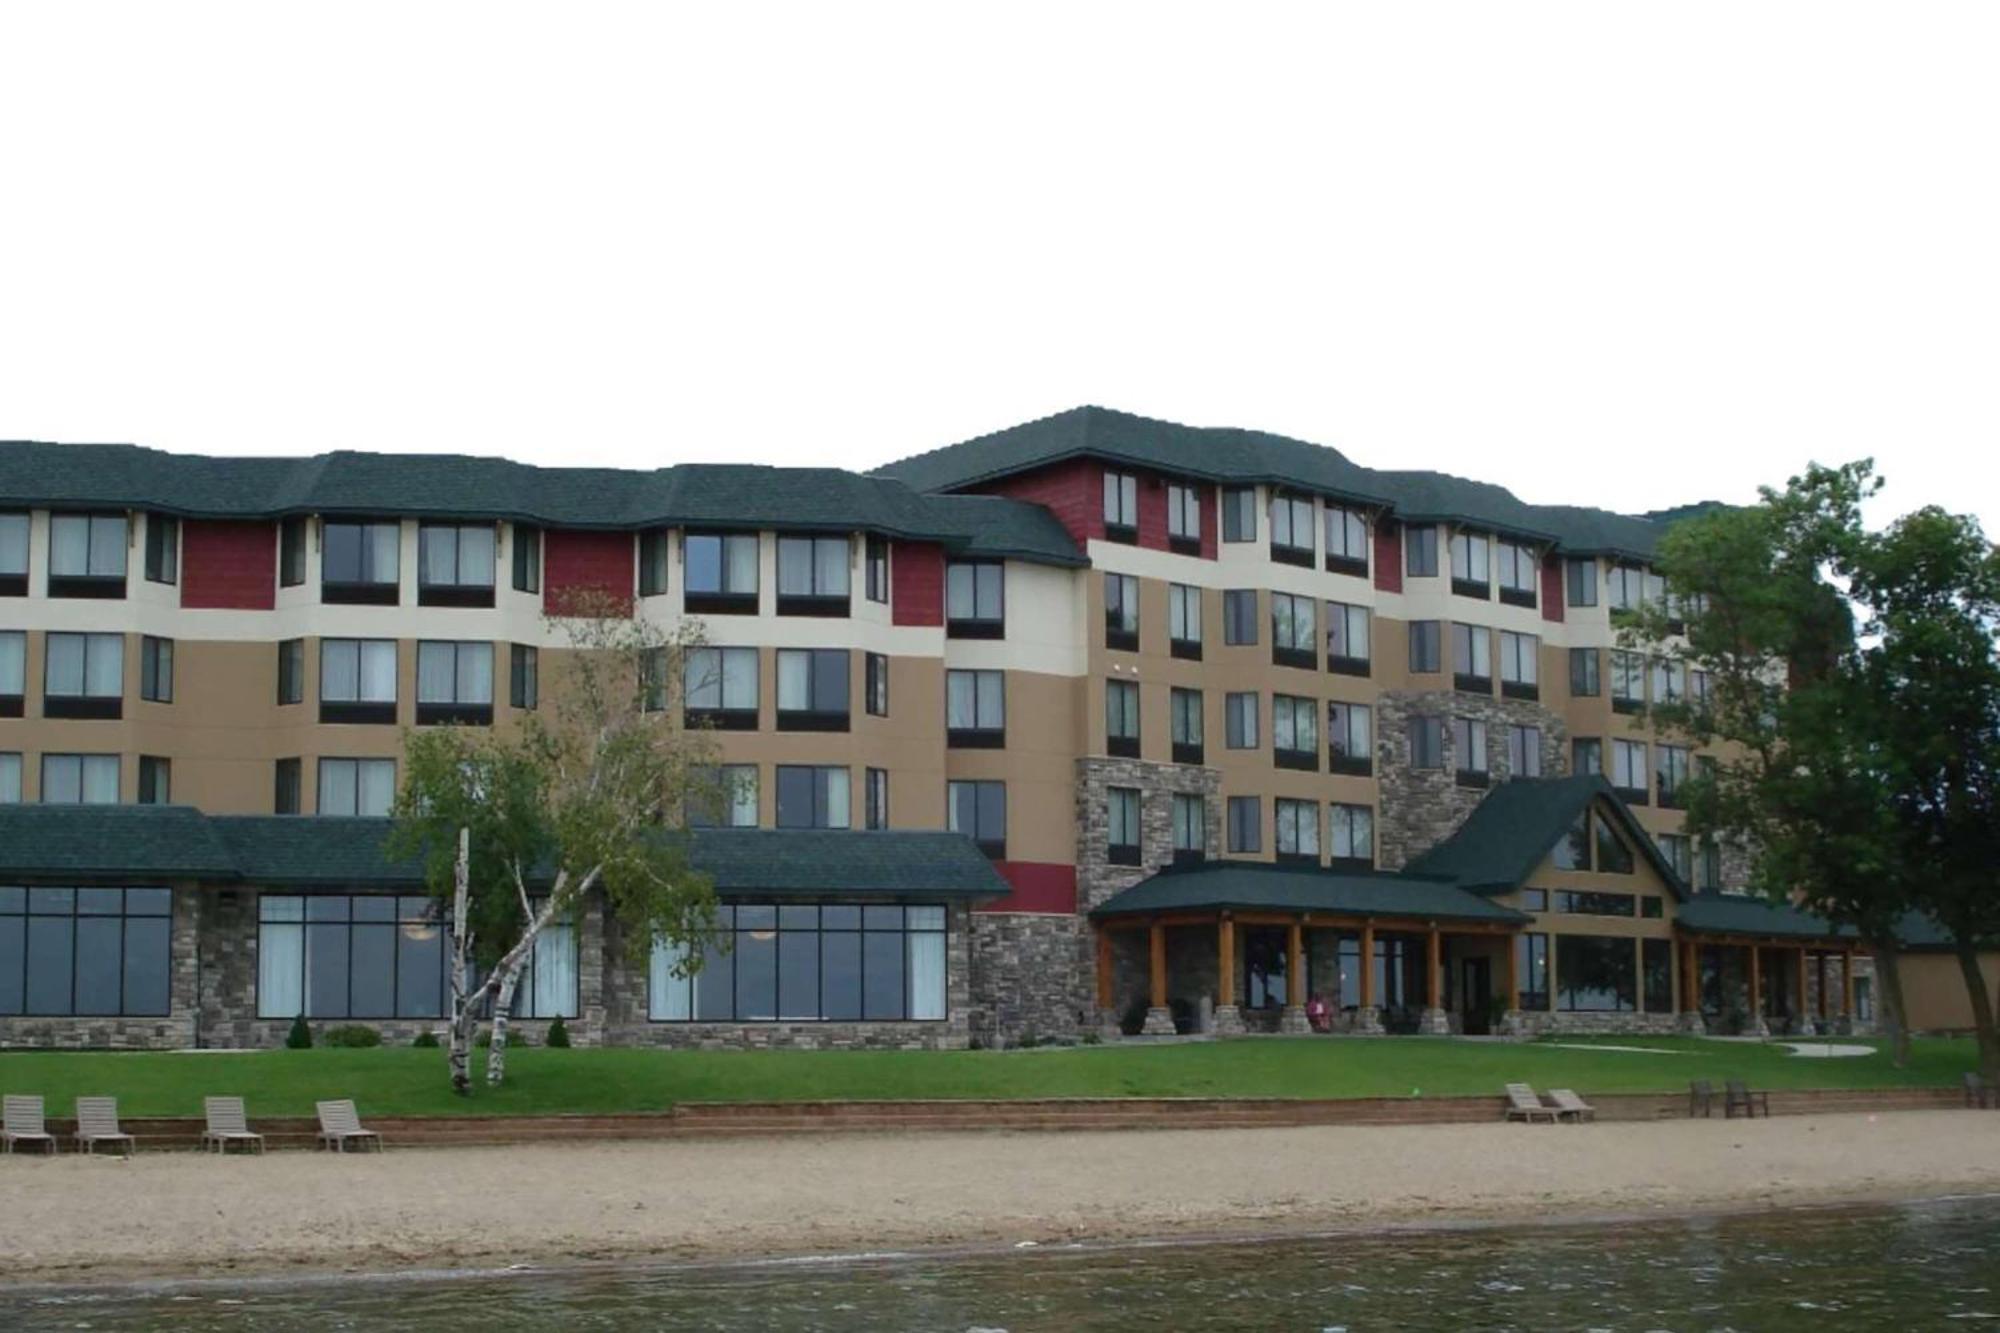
{"x": 184, "y": 1214}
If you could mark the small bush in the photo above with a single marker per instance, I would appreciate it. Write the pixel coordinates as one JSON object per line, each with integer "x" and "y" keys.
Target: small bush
{"x": 515, "y": 1037}
{"x": 426, "y": 1038}
{"x": 558, "y": 1035}
{"x": 1092, "y": 1038}
{"x": 300, "y": 1038}
{"x": 353, "y": 1036}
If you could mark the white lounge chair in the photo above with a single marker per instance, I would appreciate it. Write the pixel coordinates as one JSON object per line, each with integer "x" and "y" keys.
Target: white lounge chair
{"x": 227, "y": 1124}
{"x": 340, "y": 1126}
{"x": 1523, "y": 1104}
{"x": 1569, "y": 1104}
{"x": 97, "y": 1123}
{"x": 25, "y": 1123}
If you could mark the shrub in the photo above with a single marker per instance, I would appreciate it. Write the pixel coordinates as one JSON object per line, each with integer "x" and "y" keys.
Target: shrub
{"x": 1092, "y": 1038}
{"x": 300, "y": 1038}
{"x": 425, "y": 1038}
{"x": 558, "y": 1035}
{"x": 515, "y": 1037}
{"x": 353, "y": 1036}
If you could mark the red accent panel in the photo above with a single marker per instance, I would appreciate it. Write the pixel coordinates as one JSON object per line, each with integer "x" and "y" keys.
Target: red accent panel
{"x": 1073, "y": 491}
{"x": 916, "y": 583}
{"x": 1211, "y": 521}
{"x": 1553, "y": 592}
{"x": 1388, "y": 556}
{"x": 1152, "y": 511}
{"x": 229, "y": 565}
{"x": 1039, "y": 886}
{"x": 581, "y": 564}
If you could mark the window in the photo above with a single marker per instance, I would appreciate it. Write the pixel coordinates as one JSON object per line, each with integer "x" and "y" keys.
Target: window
{"x": 1294, "y": 631}
{"x": 1583, "y": 677}
{"x": 812, "y": 576}
{"x": 974, "y": 604}
{"x": 875, "y": 684}
{"x": 1518, "y": 571}
{"x": 454, "y": 683}
{"x": 155, "y": 780}
{"x": 1346, "y": 541}
{"x": 1190, "y": 821}
{"x": 287, "y": 787}
{"x": 1586, "y": 755}
{"x": 1351, "y": 833}
{"x": 455, "y": 564}
{"x": 1673, "y": 775}
{"x": 1595, "y": 974}
{"x": 1297, "y": 830}
{"x": 1677, "y": 850}
{"x": 812, "y": 689}
{"x": 975, "y": 709}
{"x": 723, "y": 796}
{"x": 1468, "y": 744}
{"x": 1470, "y": 557}
{"x": 1239, "y": 719}
{"x": 875, "y": 798}
{"x": 1581, "y": 577}
{"x": 1534, "y": 900}
{"x": 1121, "y": 507}
{"x": 1628, "y": 682}
{"x": 86, "y": 555}
{"x": 1420, "y": 551}
{"x": 156, "y": 669}
{"x": 1701, "y": 688}
{"x": 1669, "y": 681}
{"x": 13, "y": 672}
{"x": 719, "y": 573}
{"x": 360, "y": 562}
{"x": 807, "y": 963}
{"x": 877, "y": 552}
{"x": 1239, "y": 616}
{"x": 1520, "y": 657}
{"x": 1292, "y": 529}
{"x": 357, "y": 680}
{"x": 527, "y": 558}
{"x": 1656, "y": 968}
{"x": 1184, "y": 711}
{"x": 1628, "y": 770}
{"x": 1625, "y": 585}
{"x": 1472, "y": 658}
{"x": 1121, "y": 825}
{"x": 10, "y": 779}
{"x": 1350, "y": 739}
{"x": 1347, "y": 639}
{"x": 292, "y": 552}
{"x": 1710, "y": 867}
{"x": 336, "y": 955}
{"x": 1239, "y": 514}
{"x": 86, "y": 951}
{"x": 292, "y": 671}
{"x": 1653, "y": 588}
{"x": 722, "y": 688}
{"x": 524, "y": 685}
{"x": 1121, "y": 612}
{"x": 1184, "y": 621}
{"x": 80, "y": 779}
{"x": 1613, "y": 856}
{"x": 1246, "y": 824}
{"x": 1531, "y": 968}
{"x": 1573, "y": 852}
{"x": 1583, "y": 902}
{"x": 1425, "y": 637}
{"x": 1295, "y": 732}
{"x": 1184, "y": 518}
{"x": 812, "y": 797}
{"x": 1121, "y": 718}
{"x": 1524, "y": 752}
{"x": 84, "y": 675}
{"x": 356, "y": 786}
{"x": 1426, "y": 742}
{"x": 13, "y": 555}
{"x": 653, "y": 561}
{"x": 163, "y": 549}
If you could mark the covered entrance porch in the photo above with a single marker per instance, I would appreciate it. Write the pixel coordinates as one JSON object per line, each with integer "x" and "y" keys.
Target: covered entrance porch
{"x": 1749, "y": 968}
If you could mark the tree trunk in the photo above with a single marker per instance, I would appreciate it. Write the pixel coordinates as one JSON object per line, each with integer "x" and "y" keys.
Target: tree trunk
{"x": 1889, "y": 975}
{"x": 1982, "y": 1012}
{"x": 459, "y": 1057}
{"x": 503, "y": 1007}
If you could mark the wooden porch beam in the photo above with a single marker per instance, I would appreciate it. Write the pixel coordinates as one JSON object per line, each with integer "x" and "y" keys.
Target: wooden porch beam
{"x": 1432, "y": 966}
{"x": 1225, "y": 971}
{"x": 1367, "y": 964}
{"x": 1295, "y": 966}
{"x": 1159, "y": 965}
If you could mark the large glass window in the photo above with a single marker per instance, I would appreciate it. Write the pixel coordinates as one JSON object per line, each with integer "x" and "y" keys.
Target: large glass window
{"x": 1239, "y": 616}
{"x": 808, "y": 962}
{"x": 1347, "y": 639}
{"x": 1294, "y": 630}
{"x": 360, "y": 562}
{"x": 1531, "y": 963}
{"x": 1239, "y": 718}
{"x": 336, "y": 955}
{"x": 1613, "y": 856}
{"x": 84, "y": 675}
{"x": 455, "y": 564}
{"x": 1121, "y": 612}
{"x": 1239, "y": 514}
{"x": 1584, "y": 902}
{"x": 356, "y": 786}
{"x": 1346, "y": 540}
{"x": 1121, "y": 506}
{"x": 80, "y": 779}
{"x": 729, "y": 797}
{"x": 357, "y": 680}
{"x": 1596, "y": 974}
{"x": 722, "y": 686}
{"x": 86, "y": 554}
{"x": 86, "y": 951}
{"x": 1351, "y": 829}
{"x": 720, "y": 571}
{"x": 1297, "y": 829}
{"x": 454, "y": 683}
{"x": 1292, "y": 529}
{"x": 975, "y": 708}
{"x": 812, "y": 796}
{"x": 1121, "y": 718}
{"x": 979, "y": 811}
{"x": 812, "y": 689}
{"x": 1184, "y": 620}
{"x": 974, "y": 599}
{"x": 813, "y": 569}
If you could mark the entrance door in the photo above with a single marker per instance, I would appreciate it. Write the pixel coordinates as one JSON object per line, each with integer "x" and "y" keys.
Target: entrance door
{"x": 1475, "y": 997}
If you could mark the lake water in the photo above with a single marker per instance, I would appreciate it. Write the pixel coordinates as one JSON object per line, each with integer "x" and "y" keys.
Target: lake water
{"x": 1929, "y": 1265}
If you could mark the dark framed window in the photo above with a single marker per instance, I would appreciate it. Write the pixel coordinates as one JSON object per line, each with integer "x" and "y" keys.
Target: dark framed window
{"x": 1586, "y": 755}
{"x": 1581, "y": 902}
{"x": 287, "y": 787}
{"x": 527, "y": 558}
{"x": 1678, "y": 849}
{"x": 1580, "y": 577}
{"x": 1613, "y": 856}
{"x": 1709, "y": 865}
{"x": 975, "y": 604}
{"x": 1471, "y": 559}
{"x": 1426, "y": 742}
{"x": 1573, "y": 851}
{"x": 356, "y": 786}
{"x": 291, "y": 671}
{"x": 292, "y": 552}
{"x": 156, "y": 669}
{"x": 1471, "y": 658}
{"x": 1468, "y": 744}
{"x": 10, "y": 777}
{"x": 722, "y": 688}
{"x": 813, "y": 692}
{"x": 1239, "y": 720}
{"x": 1239, "y": 514}
{"x": 1425, "y": 637}
{"x": 163, "y": 549}
{"x": 1346, "y": 541}
{"x": 1121, "y": 507}
{"x": 1350, "y": 740}
{"x": 1189, "y": 817}
{"x": 719, "y": 573}
{"x": 1628, "y": 682}
{"x": 338, "y": 955}
{"x": 1672, "y": 770}
{"x": 80, "y": 779}
{"x": 1121, "y": 718}
{"x": 654, "y": 546}
{"x": 524, "y": 676}
{"x": 1656, "y": 972}
{"x": 875, "y": 798}
{"x": 1121, "y": 612}
{"x": 1184, "y": 621}
{"x": 1534, "y": 900}
{"x": 979, "y": 811}
{"x": 156, "y": 782}
{"x": 87, "y": 555}
{"x": 1294, "y": 631}
{"x": 877, "y": 557}
{"x": 86, "y": 951}
{"x": 83, "y": 675}
{"x": 1625, "y": 587}
{"x": 456, "y": 563}
{"x": 357, "y": 680}
{"x": 1520, "y": 665}
{"x": 1121, "y": 825}
{"x": 1184, "y": 518}
{"x": 813, "y": 796}
{"x": 724, "y": 796}
{"x": 875, "y": 684}
{"x": 813, "y": 575}
{"x": 1295, "y": 732}
{"x": 1245, "y": 822}
{"x": 1420, "y": 551}
{"x": 454, "y": 683}
{"x": 1584, "y": 681}
{"x": 1347, "y": 639}
{"x": 14, "y": 542}
{"x": 1531, "y": 969}
{"x": 360, "y": 563}
{"x": 1596, "y": 974}
{"x": 975, "y": 709}
{"x": 1184, "y": 715}
{"x": 1297, "y": 830}
{"x": 1630, "y": 772}
{"x": 1350, "y": 831}
{"x": 1524, "y": 752}
{"x": 1669, "y": 681}
{"x": 808, "y": 962}
{"x": 1239, "y": 616}
{"x": 1652, "y": 907}
{"x": 1519, "y": 571}
{"x": 13, "y": 672}
{"x": 1292, "y": 529}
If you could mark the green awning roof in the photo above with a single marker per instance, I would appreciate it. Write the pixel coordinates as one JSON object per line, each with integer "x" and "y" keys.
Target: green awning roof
{"x": 1743, "y": 914}
{"x": 1257, "y": 886}
{"x": 1519, "y": 822}
{"x": 111, "y": 842}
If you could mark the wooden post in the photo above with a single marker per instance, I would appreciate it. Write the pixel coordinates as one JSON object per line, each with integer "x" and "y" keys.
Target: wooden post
{"x": 1103, "y": 968}
{"x": 1295, "y": 981}
{"x": 1756, "y": 985}
{"x": 1367, "y": 964}
{"x": 1799, "y": 1013}
{"x": 1847, "y": 984}
{"x": 1225, "y": 970}
{"x": 1159, "y": 966}
{"x": 1820, "y": 971}
{"x": 1513, "y": 973}
{"x": 1690, "y": 978}
{"x": 1431, "y": 969}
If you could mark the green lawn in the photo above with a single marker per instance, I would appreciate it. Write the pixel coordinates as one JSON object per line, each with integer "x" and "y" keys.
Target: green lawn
{"x": 405, "y": 1081}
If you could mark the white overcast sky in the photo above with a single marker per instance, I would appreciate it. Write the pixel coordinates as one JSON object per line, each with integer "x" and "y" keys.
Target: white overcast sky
{"x": 1629, "y": 255}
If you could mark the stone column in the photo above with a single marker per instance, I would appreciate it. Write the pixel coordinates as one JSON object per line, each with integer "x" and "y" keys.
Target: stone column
{"x": 1159, "y": 1018}
{"x": 1690, "y": 1020}
{"x": 1434, "y": 1019}
{"x": 1228, "y": 1015}
{"x": 1367, "y": 1018}
{"x": 1803, "y": 1016}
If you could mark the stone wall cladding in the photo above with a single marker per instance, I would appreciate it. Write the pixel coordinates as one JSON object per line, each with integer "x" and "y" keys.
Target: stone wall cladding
{"x": 1096, "y": 878}
{"x": 175, "y": 1031}
{"x": 1535, "y": 1023}
{"x": 1031, "y": 977}
{"x": 1422, "y": 807}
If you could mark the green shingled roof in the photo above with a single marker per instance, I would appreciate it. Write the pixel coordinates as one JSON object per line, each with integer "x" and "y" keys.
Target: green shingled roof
{"x": 313, "y": 849}
{"x": 111, "y": 842}
{"x": 845, "y": 861}
{"x": 1255, "y": 885}
{"x": 1519, "y": 822}
{"x": 732, "y": 495}
{"x": 1742, "y": 914}
{"x": 1223, "y": 454}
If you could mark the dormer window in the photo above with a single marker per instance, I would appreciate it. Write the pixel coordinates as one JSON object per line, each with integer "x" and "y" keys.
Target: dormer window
{"x": 86, "y": 555}
{"x": 1471, "y": 556}
{"x": 719, "y": 573}
{"x": 360, "y": 563}
{"x": 455, "y": 564}
{"x": 813, "y": 576}
{"x": 1292, "y": 530}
